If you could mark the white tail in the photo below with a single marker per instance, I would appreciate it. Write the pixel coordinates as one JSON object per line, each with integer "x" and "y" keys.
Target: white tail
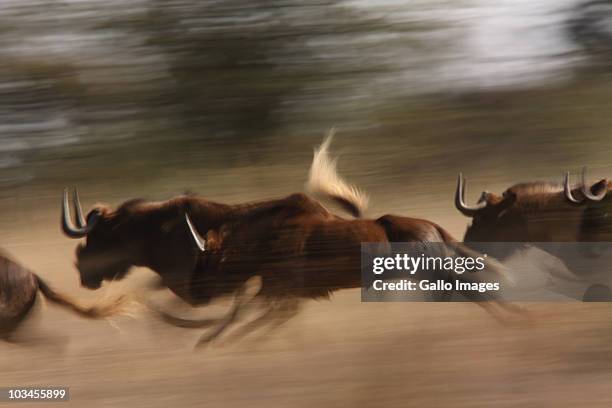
{"x": 324, "y": 181}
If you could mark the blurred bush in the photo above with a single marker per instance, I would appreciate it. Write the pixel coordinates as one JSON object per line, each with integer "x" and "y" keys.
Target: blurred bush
{"x": 86, "y": 86}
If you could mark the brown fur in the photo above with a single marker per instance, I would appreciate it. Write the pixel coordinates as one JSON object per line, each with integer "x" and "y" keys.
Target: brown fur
{"x": 294, "y": 243}
{"x": 301, "y": 251}
{"x": 298, "y": 247}
{"x": 538, "y": 195}
{"x": 539, "y": 212}
{"x": 535, "y": 212}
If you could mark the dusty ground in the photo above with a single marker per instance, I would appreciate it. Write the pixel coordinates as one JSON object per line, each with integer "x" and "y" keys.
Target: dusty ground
{"x": 341, "y": 353}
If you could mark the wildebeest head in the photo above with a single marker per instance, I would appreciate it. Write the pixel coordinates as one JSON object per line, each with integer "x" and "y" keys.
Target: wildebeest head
{"x": 492, "y": 216}
{"x": 109, "y": 248}
{"x": 137, "y": 233}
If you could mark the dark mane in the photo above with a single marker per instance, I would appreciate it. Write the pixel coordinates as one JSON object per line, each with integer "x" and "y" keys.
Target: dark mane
{"x": 536, "y": 187}
{"x": 538, "y": 194}
{"x": 141, "y": 204}
{"x": 130, "y": 204}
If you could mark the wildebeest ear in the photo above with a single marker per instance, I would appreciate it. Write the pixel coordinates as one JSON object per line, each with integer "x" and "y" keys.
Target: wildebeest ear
{"x": 213, "y": 240}
{"x": 484, "y": 197}
{"x": 599, "y": 187}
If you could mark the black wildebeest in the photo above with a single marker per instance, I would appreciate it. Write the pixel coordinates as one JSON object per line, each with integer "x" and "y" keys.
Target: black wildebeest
{"x": 294, "y": 244}
{"x": 18, "y": 292}
{"x": 539, "y": 212}
{"x": 525, "y": 212}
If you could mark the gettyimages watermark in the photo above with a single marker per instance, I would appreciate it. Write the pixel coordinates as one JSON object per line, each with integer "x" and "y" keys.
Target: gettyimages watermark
{"x": 547, "y": 271}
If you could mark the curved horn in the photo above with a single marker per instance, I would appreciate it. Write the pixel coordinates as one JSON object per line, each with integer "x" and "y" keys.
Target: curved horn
{"x": 460, "y": 200}
{"x": 80, "y": 220}
{"x": 69, "y": 229}
{"x": 199, "y": 240}
{"x": 567, "y": 189}
{"x": 587, "y": 192}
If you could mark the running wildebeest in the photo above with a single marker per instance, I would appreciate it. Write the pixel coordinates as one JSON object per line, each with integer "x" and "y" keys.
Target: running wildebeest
{"x": 539, "y": 212}
{"x": 294, "y": 244}
{"x": 18, "y": 292}
{"x": 525, "y": 212}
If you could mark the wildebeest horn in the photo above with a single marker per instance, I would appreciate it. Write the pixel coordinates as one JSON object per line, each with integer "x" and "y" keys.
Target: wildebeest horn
{"x": 460, "y": 200}
{"x": 568, "y": 190}
{"x": 80, "y": 220}
{"x": 83, "y": 227}
{"x": 199, "y": 240}
{"x": 587, "y": 191}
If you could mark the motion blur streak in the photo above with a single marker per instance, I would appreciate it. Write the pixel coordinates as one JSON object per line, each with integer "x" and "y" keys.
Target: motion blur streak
{"x": 151, "y": 98}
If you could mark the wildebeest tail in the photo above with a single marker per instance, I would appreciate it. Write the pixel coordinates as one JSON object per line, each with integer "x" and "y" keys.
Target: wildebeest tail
{"x": 324, "y": 181}
{"x": 104, "y": 308}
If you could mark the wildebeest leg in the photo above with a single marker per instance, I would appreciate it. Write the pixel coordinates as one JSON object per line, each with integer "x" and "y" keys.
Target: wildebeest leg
{"x": 287, "y": 310}
{"x": 260, "y": 321}
{"x": 490, "y": 303}
{"x": 179, "y": 321}
{"x": 243, "y": 297}
{"x": 275, "y": 316}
